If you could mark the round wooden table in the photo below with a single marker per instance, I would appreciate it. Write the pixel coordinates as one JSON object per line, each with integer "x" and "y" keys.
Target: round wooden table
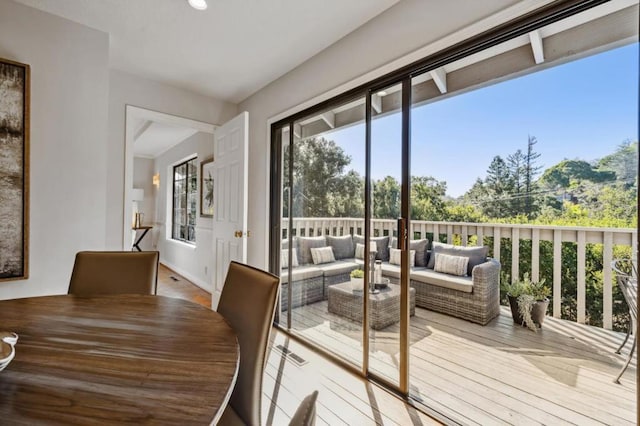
{"x": 116, "y": 359}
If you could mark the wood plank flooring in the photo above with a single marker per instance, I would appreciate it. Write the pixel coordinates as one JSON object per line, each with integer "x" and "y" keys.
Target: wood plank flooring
{"x": 344, "y": 398}
{"x": 494, "y": 374}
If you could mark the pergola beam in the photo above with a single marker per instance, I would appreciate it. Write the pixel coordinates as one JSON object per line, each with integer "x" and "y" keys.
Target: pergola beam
{"x": 536, "y": 45}
{"x": 329, "y": 117}
{"x": 439, "y": 76}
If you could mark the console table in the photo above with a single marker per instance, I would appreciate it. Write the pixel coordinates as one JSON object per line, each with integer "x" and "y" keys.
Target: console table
{"x": 144, "y": 230}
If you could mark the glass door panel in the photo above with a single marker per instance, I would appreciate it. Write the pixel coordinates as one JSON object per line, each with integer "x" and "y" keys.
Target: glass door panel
{"x": 386, "y": 185}
{"x": 326, "y": 217}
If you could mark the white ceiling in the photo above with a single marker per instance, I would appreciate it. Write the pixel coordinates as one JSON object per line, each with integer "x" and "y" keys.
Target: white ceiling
{"x": 153, "y": 138}
{"x": 229, "y": 51}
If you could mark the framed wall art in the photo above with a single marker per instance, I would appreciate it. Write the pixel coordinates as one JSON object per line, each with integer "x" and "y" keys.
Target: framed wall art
{"x": 14, "y": 170}
{"x": 206, "y": 188}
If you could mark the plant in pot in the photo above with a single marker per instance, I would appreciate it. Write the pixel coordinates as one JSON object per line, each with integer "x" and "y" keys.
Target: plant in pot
{"x": 357, "y": 279}
{"x": 528, "y": 300}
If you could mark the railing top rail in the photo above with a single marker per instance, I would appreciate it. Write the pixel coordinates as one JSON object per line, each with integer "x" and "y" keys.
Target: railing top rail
{"x": 482, "y": 224}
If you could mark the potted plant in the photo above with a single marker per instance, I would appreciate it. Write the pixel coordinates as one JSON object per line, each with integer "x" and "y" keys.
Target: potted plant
{"x": 357, "y": 280}
{"x": 528, "y": 300}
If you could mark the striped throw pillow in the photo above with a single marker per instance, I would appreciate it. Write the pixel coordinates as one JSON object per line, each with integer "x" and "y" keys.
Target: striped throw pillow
{"x": 453, "y": 265}
{"x": 360, "y": 249}
{"x": 394, "y": 257}
{"x": 322, "y": 255}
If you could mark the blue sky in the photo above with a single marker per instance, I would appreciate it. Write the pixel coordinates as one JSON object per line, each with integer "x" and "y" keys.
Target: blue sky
{"x": 583, "y": 109}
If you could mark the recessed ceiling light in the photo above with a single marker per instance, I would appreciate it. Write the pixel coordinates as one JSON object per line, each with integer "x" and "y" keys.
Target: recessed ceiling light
{"x": 198, "y": 4}
{"x": 381, "y": 93}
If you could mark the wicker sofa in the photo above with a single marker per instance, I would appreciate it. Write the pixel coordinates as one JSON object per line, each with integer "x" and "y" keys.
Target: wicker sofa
{"x": 475, "y": 297}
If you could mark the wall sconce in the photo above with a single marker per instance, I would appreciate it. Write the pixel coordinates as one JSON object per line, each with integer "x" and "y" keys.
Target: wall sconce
{"x": 156, "y": 179}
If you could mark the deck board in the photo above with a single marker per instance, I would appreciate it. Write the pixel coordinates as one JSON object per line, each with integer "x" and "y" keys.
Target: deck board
{"x": 495, "y": 374}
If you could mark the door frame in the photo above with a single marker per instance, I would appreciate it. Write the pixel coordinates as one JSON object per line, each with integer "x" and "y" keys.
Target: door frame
{"x": 132, "y": 114}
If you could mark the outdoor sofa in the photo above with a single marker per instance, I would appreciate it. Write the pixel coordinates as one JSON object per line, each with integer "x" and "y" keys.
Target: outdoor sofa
{"x": 473, "y": 295}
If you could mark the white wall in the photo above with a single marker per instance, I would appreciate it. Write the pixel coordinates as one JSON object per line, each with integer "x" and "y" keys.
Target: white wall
{"x": 402, "y": 34}
{"x": 69, "y": 98}
{"x": 126, "y": 89}
{"x": 195, "y": 263}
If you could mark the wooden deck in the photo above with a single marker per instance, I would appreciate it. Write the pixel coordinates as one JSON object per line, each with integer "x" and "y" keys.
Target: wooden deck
{"x": 344, "y": 398}
{"x": 494, "y": 374}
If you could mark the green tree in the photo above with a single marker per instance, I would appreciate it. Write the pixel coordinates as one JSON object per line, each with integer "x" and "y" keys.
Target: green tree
{"x": 386, "y": 198}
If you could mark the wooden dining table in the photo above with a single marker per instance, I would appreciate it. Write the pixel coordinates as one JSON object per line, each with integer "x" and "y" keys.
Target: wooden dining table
{"x": 116, "y": 359}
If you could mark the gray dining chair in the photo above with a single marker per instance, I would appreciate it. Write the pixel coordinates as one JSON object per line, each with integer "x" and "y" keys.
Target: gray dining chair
{"x": 248, "y": 303}
{"x": 305, "y": 415}
{"x": 114, "y": 272}
{"x": 627, "y": 279}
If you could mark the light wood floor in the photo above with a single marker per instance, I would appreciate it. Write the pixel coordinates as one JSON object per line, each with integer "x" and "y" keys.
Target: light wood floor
{"x": 494, "y": 374}
{"x": 344, "y": 398}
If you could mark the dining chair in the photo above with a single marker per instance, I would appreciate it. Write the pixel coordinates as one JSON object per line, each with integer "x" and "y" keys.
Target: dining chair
{"x": 627, "y": 279}
{"x": 247, "y": 302}
{"x": 305, "y": 415}
{"x": 114, "y": 272}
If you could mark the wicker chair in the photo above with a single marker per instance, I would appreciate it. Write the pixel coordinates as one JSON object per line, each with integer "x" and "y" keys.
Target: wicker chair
{"x": 627, "y": 279}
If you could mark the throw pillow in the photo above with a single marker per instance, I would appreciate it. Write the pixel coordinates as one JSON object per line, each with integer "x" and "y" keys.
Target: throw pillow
{"x": 394, "y": 257}
{"x": 420, "y": 246}
{"x": 360, "y": 250}
{"x": 322, "y": 255}
{"x": 382, "y": 244}
{"x": 454, "y": 265}
{"x": 284, "y": 258}
{"x": 343, "y": 247}
{"x": 476, "y": 255}
{"x": 305, "y": 244}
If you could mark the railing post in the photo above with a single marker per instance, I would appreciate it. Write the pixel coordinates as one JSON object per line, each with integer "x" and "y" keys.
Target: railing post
{"x": 515, "y": 254}
{"x": 581, "y": 278}
{"x": 496, "y": 243}
{"x": 535, "y": 255}
{"x": 607, "y": 290}
{"x": 557, "y": 272}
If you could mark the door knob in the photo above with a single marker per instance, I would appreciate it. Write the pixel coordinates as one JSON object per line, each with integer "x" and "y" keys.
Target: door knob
{"x": 240, "y": 234}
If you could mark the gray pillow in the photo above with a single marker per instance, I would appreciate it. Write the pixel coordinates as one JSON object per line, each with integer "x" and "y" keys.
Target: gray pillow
{"x": 420, "y": 247}
{"x": 285, "y": 243}
{"x": 476, "y": 255}
{"x": 343, "y": 247}
{"x": 305, "y": 244}
{"x": 382, "y": 244}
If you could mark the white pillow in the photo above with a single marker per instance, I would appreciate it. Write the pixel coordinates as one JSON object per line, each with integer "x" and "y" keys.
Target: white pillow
{"x": 360, "y": 249}
{"x": 394, "y": 257}
{"x": 322, "y": 255}
{"x": 284, "y": 258}
{"x": 454, "y": 265}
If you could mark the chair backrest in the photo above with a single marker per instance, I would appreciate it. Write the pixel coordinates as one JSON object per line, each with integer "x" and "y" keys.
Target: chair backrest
{"x": 247, "y": 302}
{"x": 627, "y": 279}
{"x": 114, "y": 272}
{"x": 305, "y": 415}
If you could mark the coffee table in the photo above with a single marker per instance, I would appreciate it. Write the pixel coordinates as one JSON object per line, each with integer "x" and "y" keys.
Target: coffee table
{"x": 384, "y": 307}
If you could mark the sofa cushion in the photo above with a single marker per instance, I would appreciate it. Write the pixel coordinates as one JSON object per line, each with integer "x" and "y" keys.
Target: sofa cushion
{"x": 284, "y": 258}
{"x": 322, "y": 255}
{"x": 285, "y": 243}
{"x": 343, "y": 247}
{"x": 393, "y": 271}
{"x": 301, "y": 273}
{"x": 476, "y": 255}
{"x": 395, "y": 255}
{"x": 454, "y": 265}
{"x": 464, "y": 284}
{"x": 420, "y": 246}
{"x": 305, "y": 244}
{"x": 382, "y": 244}
{"x": 337, "y": 268}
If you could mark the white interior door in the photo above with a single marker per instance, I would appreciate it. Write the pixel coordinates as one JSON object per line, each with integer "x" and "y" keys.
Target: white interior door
{"x": 231, "y": 142}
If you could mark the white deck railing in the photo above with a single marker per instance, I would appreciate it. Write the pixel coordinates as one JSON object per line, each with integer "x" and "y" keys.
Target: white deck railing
{"x": 462, "y": 232}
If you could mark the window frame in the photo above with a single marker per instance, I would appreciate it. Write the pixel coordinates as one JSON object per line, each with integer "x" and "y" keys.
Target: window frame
{"x": 186, "y": 194}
